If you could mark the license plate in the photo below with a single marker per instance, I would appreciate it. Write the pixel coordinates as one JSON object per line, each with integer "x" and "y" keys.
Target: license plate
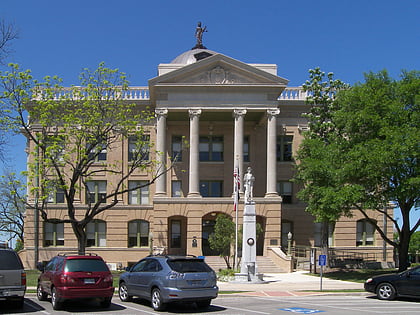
{"x": 89, "y": 281}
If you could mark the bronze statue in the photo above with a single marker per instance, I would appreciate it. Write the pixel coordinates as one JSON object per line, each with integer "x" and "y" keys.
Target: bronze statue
{"x": 199, "y": 35}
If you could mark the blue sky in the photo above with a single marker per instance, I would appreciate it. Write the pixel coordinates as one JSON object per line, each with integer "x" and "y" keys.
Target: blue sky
{"x": 347, "y": 37}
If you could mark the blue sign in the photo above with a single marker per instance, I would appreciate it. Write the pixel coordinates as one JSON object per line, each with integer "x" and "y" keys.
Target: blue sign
{"x": 300, "y": 310}
{"x": 322, "y": 260}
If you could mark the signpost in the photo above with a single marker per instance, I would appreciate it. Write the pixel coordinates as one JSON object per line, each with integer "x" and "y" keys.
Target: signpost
{"x": 322, "y": 261}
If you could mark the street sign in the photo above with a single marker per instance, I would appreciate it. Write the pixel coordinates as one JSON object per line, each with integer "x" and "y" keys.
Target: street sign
{"x": 322, "y": 260}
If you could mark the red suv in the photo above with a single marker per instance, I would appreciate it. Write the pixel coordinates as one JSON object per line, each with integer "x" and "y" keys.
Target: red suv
{"x": 72, "y": 276}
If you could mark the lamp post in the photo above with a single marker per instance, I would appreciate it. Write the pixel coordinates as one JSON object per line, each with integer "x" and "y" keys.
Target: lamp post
{"x": 289, "y": 243}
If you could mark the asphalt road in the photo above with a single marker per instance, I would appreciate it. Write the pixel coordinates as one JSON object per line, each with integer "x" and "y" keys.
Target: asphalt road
{"x": 237, "y": 305}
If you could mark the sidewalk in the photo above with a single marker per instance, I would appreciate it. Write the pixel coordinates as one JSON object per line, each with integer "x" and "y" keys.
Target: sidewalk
{"x": 286, "y": 284}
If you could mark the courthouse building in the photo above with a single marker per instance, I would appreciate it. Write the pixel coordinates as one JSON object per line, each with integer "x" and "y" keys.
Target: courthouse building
{"x": 229, "y": 113}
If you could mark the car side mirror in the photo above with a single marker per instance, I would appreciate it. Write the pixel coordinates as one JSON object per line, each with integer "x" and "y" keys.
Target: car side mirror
{"x": 40, "y": 266}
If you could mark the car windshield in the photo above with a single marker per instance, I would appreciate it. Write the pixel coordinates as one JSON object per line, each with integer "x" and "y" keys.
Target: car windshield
{"x": 9, "y": 260}
{"x": 75, "y": 265}
{"x": 188, "y": 265}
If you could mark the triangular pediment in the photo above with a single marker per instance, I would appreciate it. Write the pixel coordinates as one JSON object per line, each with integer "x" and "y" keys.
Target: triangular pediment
{"x": 218, "y": 70}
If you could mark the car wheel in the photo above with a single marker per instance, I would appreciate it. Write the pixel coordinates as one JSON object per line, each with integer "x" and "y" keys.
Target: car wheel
{"x": 204, "y": 303}
{"x": 385, "y": 291}
{"x": 123, "y": 293}
{"x": 106, "y": 302}
{"x": 41, "y": 295}
{"x": 157, "y": 303}
{"x": 55, "y": 300}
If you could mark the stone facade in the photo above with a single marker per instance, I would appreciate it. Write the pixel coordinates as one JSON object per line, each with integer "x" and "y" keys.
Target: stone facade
{"x": 235, "y": 111}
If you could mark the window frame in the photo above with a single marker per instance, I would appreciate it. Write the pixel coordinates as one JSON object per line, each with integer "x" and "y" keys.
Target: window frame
{"x": 140, "y": 234}
{"x": 98, "y": 192}
{"x": 134, "y": 150}
{"x": 99, "y": 237}
{"x": 211, "y": 154}
{"x": 211, "y": 192}
{"x": 284, "y": 148}
{"x": 362, "y": 233}
{"x": 287, "y": 198}
{"x": 57, "y": 236}
{"x": 143, "y": 193}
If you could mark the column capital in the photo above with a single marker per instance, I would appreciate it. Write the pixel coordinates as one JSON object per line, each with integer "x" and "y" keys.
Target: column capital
{"x": 161, "y": 111}
{"x": 193, "y": 112}
{"x": 273, "y": 112}
{"x": 239, "y": 112}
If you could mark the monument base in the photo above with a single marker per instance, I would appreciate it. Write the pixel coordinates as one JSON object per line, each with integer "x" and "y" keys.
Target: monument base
{"x": 249, "y": 278}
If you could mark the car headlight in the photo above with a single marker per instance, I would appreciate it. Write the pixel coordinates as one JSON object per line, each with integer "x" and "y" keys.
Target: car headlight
{"x": 369, "y": 280}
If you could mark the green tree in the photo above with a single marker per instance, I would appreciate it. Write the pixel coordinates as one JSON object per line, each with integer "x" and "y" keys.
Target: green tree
{"x": 70, "y": 129}
{"x": 362, "y": 151}
{"x": 223, "y": 237}
{"x": 414, "y": 247}
{"x": 12, "y": 206}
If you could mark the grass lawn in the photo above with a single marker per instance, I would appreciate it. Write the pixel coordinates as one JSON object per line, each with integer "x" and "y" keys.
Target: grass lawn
{"x": 356, "y": 275}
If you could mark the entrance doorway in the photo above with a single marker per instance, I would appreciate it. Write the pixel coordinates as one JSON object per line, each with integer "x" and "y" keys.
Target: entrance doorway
{"x": 177, "y": 235}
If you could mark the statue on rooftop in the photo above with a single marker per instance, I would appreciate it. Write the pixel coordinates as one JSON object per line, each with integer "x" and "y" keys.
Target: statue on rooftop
{"x": 199, "y": 35}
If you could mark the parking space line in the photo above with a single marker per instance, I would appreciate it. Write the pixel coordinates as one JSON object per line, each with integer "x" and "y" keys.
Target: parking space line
{"x": 241, "y": 309}
{"x": 135, "y": 309}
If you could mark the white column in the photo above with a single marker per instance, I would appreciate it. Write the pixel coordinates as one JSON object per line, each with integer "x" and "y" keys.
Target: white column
{"x": 271, "y": 190}
{"x": 238, "y": 152}
{"x": 194, "y": 177}
{"x": 161, "y": 150}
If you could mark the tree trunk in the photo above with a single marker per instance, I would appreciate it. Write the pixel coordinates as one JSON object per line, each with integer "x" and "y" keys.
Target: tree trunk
{"x": 80, "y": 233}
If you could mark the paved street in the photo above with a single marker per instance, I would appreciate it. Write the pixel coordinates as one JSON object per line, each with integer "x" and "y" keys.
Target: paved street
{"x": 239, "y": 305}
{"x": 291, "y": 293}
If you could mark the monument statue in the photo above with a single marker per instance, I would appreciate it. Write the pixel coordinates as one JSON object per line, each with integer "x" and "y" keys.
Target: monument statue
{"x": 249, "y": 185}
{"x": 199, "y": 35}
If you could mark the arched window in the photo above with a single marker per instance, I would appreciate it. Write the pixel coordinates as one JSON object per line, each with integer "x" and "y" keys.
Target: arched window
{"x": 365, "y": 233}
{"x": 138, "y": 233}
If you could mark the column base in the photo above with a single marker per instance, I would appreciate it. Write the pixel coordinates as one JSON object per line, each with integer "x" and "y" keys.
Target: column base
{"x": 194, "y": 195}
{"x": 272, "y": 195}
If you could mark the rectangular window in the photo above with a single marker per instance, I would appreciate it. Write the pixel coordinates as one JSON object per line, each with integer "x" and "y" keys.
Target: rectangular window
{"x": 246, "y": 149}
{"x": 53, "y": 234}
{"x": 365, "y": 233}
{"x": 176, "y": 234}
{"x": 98, "y": 152}
{"x": 138, "y": 148}
{"x": 56, "y": 196}
{"x": 96, "y": 191}
{"x": 177, "y": 148}
{"x": 318, "y": 234}
{"x": 176, "y": 189}
{"x": 211, "y": 148}
{"x": 138, "y": 233}
{"x": 96, "y": 233}
{"x": 284, "y": 148}
{"x": 211, "y": 188}
{"x": 284, "y": 188}
{"x": 140, "y": 193}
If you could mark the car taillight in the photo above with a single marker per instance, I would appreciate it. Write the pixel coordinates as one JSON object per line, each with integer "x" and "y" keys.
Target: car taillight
{"x": 108, "y": 278}
{"x": 173, "y": 275}
{"x": 23, "y": 278}
{"x": 66, "y": 279}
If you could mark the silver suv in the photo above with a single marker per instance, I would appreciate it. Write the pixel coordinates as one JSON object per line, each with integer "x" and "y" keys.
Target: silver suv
{"x": 164, "y": 279}
{"x": 12, "y": 277}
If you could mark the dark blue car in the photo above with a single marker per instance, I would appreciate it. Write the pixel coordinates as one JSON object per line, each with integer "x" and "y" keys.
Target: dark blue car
{"x": 165, "y": 279}
{"x": 390, "y": 286}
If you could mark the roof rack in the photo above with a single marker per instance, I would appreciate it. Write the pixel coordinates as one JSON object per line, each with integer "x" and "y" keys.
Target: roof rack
{"x": 76, "y": 254}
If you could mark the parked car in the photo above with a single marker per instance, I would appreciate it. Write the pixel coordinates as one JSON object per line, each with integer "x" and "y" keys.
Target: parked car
{"x": 165, "y": 279}
{"x": 390, "y": 286}
{"x": 72, "y": 276}
{"x": 12, "y": 277}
